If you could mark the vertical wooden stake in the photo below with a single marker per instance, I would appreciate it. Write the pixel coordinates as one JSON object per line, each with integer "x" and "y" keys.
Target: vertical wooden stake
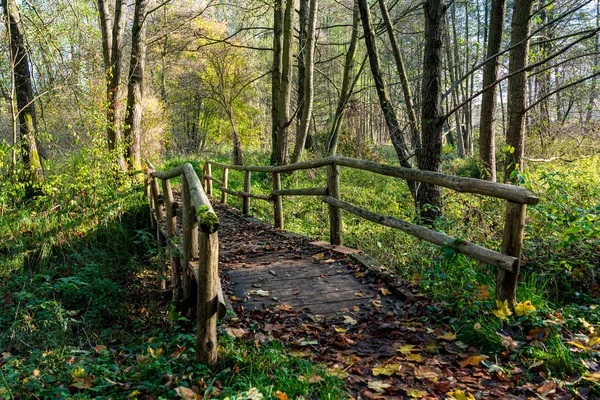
{"x": 207, "y": 278}
{"x": 224, "y": 185}
{"x": 208, "y": 181}
{"x": 190, "y": 234}
{"x": 246, "y": 199}
{"x": 156, "y": 196}
{"x": 150, "y": 198}
{"x": 512, "y": 241}
{"x": 335, "y": 213}
{"x": 171, "y": 223}
{"x": 277, "y": 203}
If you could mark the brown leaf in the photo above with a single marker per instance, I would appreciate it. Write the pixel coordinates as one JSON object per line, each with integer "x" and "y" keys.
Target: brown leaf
{"x": 315, "y": 379}
{"x": 424, "y": 372}
{"x": 284, "y": 307}
{"x": 280, "y": 395}
{"x": 185, "y": 393}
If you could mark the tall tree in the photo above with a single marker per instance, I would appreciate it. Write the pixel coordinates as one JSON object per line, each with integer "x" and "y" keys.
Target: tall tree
{"x": 276, "y": 78}
{"x": 19, "y": 59}
{"x": 307, "y": 101}
{"x": 429, "y": 197}
{"x": 487, "y": 124}
{"x": 135, "y": 87}
{"x": 112, "y": 28}
{"x": 517, "y": 86}
{"x": 396, "y": 134}
{"x": 285, "y": 88}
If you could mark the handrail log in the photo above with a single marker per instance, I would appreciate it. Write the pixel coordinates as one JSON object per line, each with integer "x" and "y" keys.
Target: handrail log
{"x": 280, "y": 168}
{"x": 212, "y": 178}
{"x": 207, "y": 219}
{"x": 512, "y": 193}
{"x": 480, "y": 253}
{"x": 242, "y": 194}
{"x": 172, "y": 173}
{"x": 320, "y": 191}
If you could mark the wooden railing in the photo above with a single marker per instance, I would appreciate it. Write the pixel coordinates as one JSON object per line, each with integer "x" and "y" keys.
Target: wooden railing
{"x": 194, "y": 260}
{"x": 507, "y": 260}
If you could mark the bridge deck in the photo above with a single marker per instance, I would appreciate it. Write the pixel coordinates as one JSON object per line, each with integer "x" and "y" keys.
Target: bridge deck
{"x": 267, "y": 268}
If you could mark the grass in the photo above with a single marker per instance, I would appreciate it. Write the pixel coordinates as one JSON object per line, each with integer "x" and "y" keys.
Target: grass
{"x": 80, "y": 313}
{"x": 561, "y": 250}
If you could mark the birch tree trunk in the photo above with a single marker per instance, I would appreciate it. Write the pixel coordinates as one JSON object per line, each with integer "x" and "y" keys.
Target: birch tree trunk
{"x": 487, "y": 123}
{"x": 32, "y": 162}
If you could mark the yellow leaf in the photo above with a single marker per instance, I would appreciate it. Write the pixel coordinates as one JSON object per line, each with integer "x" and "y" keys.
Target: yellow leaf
{"x": 414, "y": 393}
{"x": 524, "y": 308}
{"x": 280, "y": 395}
{"x": 387, "y": 370}
{"x": 348, "y": 320}
{"x": 378, "y": 386}
{"x": 472, "y": 361}
{"x": 329, "y": 261}
{"x": 414, "y": 357}
{"x": 320, "y": 255}
{"x": 503, "y": 311}
{"x": 459, "y": 395}
{"x": 340, "y": 373}
{"x": 594, "y": 377}
{"x": 385, "y": 291}
{"x": 447, "y": 336}
{"x": 301, "y": 354}
{"x": 340, "y": 330}
{"x": 579, "y": 345}
{"x": 78, "y": 372}
{"x": 407, "y": 349}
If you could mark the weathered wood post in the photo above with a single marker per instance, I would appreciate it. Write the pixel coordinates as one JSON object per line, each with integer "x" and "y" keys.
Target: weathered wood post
{"x": 171, "y": 223}
{"x": 148, "y": 193}
{"x": 246, "y": 199}
{"x": 512, "y": 241}
{"x": 208, "y": 181}
{"x": 156, "y": 200}
{"x": 224, "y": 185}
{"x": 335, "y": 213}
{"x": 190, "y": 233}
{"x": 208, "y": 301}
{"x": 277, "y": 202}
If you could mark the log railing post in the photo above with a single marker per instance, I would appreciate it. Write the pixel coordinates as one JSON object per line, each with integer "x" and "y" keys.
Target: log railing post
{"x": 148, "y": 192}
{"x": 224, "y": 185}
{"x": 277, "y": 202}
{"x": 208, "y": 189}
{"x": 246, "y": 199}
{"x": 190, "y": 233}
{"x": 208, "y": 302}
{"x": 335, "y": 213}
{"x": 512, "y": 242}
{"x": 171, "y": 223}
{"x": 156, "y": 197}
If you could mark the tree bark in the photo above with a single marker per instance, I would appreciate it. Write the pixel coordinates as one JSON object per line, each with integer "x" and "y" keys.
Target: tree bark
{"x": 276, "y": 77}
{"x": 135, "y": 87}
{"x": 387, "y": 108}
{"x": 410, "y": 108}
{"x": 32, "y": 162}
{"x": 429, "y": 197}
{"x": 307, "y": 101}
{"x": 487, "y": 123}
{"x": 302, "y": 29}
{"x": 517, "y": 88}
{"x": 346, "y": 92}
{"x": 285, "y": 89}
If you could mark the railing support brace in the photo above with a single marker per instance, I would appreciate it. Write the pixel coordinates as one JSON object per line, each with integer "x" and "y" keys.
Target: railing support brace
{"x": 246, "y": 199}
{"x": 277, "y": 202}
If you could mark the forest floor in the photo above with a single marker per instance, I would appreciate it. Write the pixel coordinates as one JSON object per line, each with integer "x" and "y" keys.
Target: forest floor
{"x": 387, "y": 346}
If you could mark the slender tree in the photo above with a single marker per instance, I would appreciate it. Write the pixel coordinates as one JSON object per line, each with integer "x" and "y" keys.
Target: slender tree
{"x": 487, "y": 124}
{"x": 276, "y": 78}
{"x": 429, "y": 197}
{"x": 517, "y": 86}
{"x": 135, "y": 87}
{"x": 19, "y": 59}
{"x": 307, "y": 101}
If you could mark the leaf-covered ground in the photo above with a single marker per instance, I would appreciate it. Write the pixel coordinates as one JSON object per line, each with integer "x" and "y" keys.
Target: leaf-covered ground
{"x": 393, "y": 348}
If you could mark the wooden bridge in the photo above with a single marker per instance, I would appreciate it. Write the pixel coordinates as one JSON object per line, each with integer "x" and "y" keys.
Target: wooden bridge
{"x": 269, "y": 267}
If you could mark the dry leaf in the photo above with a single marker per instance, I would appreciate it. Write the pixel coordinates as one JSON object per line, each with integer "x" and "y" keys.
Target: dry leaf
{"x": 407, "y": 349}
{"x": 185, "y": 393}
{"x": 236, "y": 332}
{"x": 459, "y": 395}
{"x": 385, "y": 291}
{"x": 340, "y": 330}
{"x": 424, "y": 372}
{"x": 387, "y": 370}
{"x": 414, "y": 393}
{"x": 472, "y": 361}
{"x": 319, "y": 256}
{"x": 315, "y": 379}
{"x": 378, "y": 386}
{"x": 503, "y": 310}
{"x": 447, "y": 336}
{"x": 259, "y": 292}
{"x": 280, "y": 395}
{"x": 414, "y": 357}
{"x": 340, "y": 373}
{"x": 284, "y": 307}
{"x": 348, "y": 320}
{"x": 301, "y": 354}
{"x": 524, "y": 308}
{"x": 329, "y": 261}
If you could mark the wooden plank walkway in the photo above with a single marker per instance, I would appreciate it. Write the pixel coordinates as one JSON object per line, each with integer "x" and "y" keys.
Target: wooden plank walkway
{"x": 264, "y": 268}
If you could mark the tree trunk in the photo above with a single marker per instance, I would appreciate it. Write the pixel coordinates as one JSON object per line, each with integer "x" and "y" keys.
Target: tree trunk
{"x": 346, "y": 92}
{"x": 32, "y": 162}
{"x": 429, "y": 197}
{"x": 487, "y": 123}
{"x": 238, "y": 158}
{"x": 276, "y": 77}
{"x": 410, "y": 108}
{"x": 387, "y": 108}
{"x": 307, "y": 101}
{"x": 285, "y": 89}
{"x": 517, "y": 88}
{"x": 135, "y": 88}
{"x": 455, "y": 98}
{"x": 302, "y": 29}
